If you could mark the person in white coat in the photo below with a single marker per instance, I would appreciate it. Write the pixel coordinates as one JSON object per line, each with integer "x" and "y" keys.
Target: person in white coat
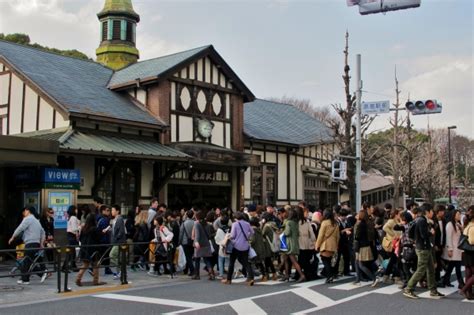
{"x": 451, "y": 253}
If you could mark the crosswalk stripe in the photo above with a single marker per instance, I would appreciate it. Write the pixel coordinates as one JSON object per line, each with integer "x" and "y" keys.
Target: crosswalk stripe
{"x": 391, "y": 289}
{"x": 313, "y": 297}
{"x": 445, "y": 291}
{"x": 149, "y": 300}
{"x": 350, "y": 286}
{"x": 313, "y": 283}
{"x": 246, "y": 307}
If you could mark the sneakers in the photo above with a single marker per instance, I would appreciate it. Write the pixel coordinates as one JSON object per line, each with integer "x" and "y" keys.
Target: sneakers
{"x": 116, "y": 275}
{"x": 23, "y": 282}
{"x": 375, "y": 283}
{"x": 436, "y": 294}
{"x": 44, "y": 276}
{"x": 410, "y": 294}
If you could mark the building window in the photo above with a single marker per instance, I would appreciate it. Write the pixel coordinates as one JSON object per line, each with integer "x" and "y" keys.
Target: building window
{"x": 116, "y": 29}
{"x": 105, "y": 30}
{"x": 118, "y": 182}
{"x": 257, "y": 173}
{"x": 130, "y": 32}
{"x": 264, "y": 185}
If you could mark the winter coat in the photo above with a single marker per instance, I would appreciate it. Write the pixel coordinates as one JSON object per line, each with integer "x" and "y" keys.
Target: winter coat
{"x": 90, "y": 237}
{"x": 291, "y": 230}
{"x": 452, "y": 241}
{"x": 306, "y": 237}
{"x": 328, "y": 238}
{"x": 258, "y": 244}
{"x": 201, "y": 236}
{"x": 268, "y": 232}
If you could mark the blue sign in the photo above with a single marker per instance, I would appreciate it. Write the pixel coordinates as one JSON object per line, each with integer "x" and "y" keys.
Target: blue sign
{"x": 57, "y": 175}
{"x": 60, "y": 202}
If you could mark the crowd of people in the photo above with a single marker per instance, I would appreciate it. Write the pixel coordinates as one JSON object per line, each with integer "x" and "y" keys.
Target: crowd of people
{"x": 407, "y": 247}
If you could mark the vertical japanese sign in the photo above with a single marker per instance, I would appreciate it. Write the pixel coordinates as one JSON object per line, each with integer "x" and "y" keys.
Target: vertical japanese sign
{"x": 60, "y": 202}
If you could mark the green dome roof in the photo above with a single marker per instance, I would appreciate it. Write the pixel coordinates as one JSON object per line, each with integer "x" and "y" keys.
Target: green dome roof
{"x": 114, "y": 7}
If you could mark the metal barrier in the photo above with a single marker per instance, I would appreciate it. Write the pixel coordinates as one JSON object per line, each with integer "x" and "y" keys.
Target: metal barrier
{"x": 61, "y": 254}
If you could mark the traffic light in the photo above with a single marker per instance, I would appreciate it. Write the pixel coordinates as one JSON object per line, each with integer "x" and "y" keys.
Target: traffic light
{"x": 339, "y": 170}
{"x": 423, "y": 107}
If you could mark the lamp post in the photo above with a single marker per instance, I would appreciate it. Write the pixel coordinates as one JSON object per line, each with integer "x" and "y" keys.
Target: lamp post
{"x": 449, "y": 162}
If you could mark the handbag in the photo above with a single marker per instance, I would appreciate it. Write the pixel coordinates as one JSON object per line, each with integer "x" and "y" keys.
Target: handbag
{"x": 229, "y": 247}
{"x": 464, "y": 243}
{"x": 283, "y": 243}
{"x": 387, "y": 245}
{"x": 252, "y": 253}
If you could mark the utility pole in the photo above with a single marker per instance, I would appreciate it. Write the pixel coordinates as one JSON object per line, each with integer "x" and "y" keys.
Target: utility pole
{"x": 395, "y": 157}
{"x": 450, "y": 166}
{"x": 358, "y": 134}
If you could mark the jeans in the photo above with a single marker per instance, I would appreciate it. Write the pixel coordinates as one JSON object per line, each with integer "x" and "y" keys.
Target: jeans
{"x": 188, "y": 252}
{"x": 221, "y": 260}
{"x": 30, "y": 256}
{"x": 425, "y": 267}
{"x": 453, "y": 265}
{"x": 243, "y": 257}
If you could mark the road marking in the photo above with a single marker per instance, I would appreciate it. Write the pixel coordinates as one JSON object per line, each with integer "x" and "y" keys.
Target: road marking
{"x": 468, "y": 301}
{"x": 142, "y": 299}
{"x": 246, "y": 307}
{"x": 269, "y": 282}
{"x": 96, "y": 290}
{"x": 313, "y": 283}
{"x": 445, "y": 291}
{"x": 391, "y": 289}
{"x": 321, "y": 306}
{"x": 313, "y": 297}
{"x": 350, "y": 286}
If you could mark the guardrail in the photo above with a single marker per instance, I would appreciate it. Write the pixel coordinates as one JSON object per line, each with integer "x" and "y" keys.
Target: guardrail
{"x": 61, "y": 257}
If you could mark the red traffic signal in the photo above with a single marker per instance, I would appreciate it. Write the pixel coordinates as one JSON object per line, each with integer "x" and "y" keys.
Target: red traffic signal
{"x": 423, "y": 107}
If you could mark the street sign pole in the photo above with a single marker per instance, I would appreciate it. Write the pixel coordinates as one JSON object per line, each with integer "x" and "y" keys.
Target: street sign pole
{"x": 358, "y": 134}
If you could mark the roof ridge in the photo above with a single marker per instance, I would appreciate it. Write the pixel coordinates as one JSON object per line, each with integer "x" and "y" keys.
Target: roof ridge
{"x": 53, "y": 53}
{"x": 176, "y": 53}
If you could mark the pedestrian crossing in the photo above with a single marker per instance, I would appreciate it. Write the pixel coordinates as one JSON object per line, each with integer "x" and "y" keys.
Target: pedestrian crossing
{"x": 306, "y": 290}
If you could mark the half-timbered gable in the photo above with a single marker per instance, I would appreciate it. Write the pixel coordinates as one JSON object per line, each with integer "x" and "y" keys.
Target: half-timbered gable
{"x": 295, "y": 152}
{"x": 23, "y": 109}
{"x": 195, "y": 92}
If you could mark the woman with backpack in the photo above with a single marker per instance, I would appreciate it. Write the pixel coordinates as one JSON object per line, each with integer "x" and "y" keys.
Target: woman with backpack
{"x": 270, "y": 236}
{"x": 221, "y": 238}
{"x": 362, "y": 248}
{"x": 391, "y": 236}
{"x": 407, "y": 254}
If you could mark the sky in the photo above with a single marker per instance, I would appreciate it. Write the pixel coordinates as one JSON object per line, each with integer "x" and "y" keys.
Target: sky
{"x": 292, "y": 48}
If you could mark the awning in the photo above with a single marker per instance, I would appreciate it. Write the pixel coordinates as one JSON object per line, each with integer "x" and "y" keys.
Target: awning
{"x": 18, "y": 151}
{"x": 111, "y": 145}
{"x": 211, "y": 154}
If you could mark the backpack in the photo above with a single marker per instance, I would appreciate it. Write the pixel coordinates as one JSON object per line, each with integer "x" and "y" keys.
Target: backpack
{"x": 412, "y": 230}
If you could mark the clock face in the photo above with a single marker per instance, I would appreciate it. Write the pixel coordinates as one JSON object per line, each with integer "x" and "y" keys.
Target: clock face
{"x": 204, "y": 128}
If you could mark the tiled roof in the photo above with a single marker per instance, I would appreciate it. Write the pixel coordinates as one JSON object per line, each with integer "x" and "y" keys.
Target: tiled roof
{"x": 80, "y": 86}
{"x": 113, "y": 144}
{"x": 277, "y": 122}
{"x": 152, "y": 67}
{"x": 372, "y": 181}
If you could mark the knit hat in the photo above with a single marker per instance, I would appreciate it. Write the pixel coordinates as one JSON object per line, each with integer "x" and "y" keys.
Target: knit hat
{"x": 316, "y": 217}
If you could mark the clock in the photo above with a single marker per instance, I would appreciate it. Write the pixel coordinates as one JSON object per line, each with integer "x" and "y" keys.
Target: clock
{"x": 204, "y": 128}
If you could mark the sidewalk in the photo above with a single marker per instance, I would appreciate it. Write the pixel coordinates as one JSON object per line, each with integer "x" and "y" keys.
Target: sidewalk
{"x": 12, "y": 293}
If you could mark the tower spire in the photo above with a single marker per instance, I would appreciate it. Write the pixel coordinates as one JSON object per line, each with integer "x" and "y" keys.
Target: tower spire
{"x": 118, "y": 22}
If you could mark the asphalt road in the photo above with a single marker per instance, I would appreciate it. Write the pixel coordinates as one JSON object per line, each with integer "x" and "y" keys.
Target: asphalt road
{"x": 185, "y": 296}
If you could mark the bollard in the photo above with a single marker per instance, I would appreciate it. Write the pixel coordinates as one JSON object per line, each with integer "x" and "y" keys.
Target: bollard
{"x": 123, "y": 263}
{"x": 58, "y": 266}
{"x": 66, "y": 269}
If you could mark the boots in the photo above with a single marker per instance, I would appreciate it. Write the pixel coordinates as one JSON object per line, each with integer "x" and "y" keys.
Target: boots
{"x": 264, "y": 278}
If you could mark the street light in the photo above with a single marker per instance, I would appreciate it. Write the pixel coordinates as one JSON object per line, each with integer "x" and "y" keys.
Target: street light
{"x": 449, "y": 161}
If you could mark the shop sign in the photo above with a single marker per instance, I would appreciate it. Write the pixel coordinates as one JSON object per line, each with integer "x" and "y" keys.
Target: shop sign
{"x": 61, "y": 178}
{"x": 200, "y": 176}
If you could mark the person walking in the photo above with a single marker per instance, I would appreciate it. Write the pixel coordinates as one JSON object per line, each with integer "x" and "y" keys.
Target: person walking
{"x": 451, "y": 253}
{"x": 221, "y": 238}
{"x": 73, "y": 229}
{"x": 362, "y": 248}
{"x": 47, "y": 223}
{"x": 33, "y": 237}
{"x": 202, "y": 247}
{"x": 241, "y": 232}
{"x": 306, "y": 239}
{"x": 141, "y": 236}
{"x": 466, "y": 291}
{"x": 269, "y": 231}
{"x": 89, "y": 254}
{"x": 185, "y": 239}
{"x": 327, "y": 242}
{"x": 117, "y": 238}
{"x": 291, "y": 231}
{"x": 391, "y": 236}
{"x": 425, "y": 266}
